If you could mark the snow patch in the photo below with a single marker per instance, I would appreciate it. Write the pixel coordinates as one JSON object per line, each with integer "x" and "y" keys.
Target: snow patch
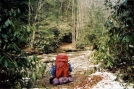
{"x": 108, "y": 82}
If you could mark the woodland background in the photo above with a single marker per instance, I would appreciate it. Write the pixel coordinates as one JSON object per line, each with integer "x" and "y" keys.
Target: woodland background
{"x": 43, "y": 25}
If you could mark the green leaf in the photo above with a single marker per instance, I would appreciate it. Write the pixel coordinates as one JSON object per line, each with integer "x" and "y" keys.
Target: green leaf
{"x": 109, "y": 23}
{"x": 33, "y": 28}
{"x": 33, "y": 76}
{"x": 5, "y": 63}
{"x": 18, "y": 10}
{"x": 14, "y": 13}
{"x": 127, "y": 39}
{"x": 127, "y": 47}
{"x": 34, "y": 57}
{"x": 28, "y": 29}
{"x": 109, "y": 63}
{"x": 12, "y": 10}
{"x": 6, "y": 23}
{"x": 15, "y": 64}
{"x": 1, "y": 59}
{"x": 15, "y": 46}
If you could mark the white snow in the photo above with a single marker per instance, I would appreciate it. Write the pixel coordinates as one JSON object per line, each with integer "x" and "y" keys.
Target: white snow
{"x": 109, "y": 82}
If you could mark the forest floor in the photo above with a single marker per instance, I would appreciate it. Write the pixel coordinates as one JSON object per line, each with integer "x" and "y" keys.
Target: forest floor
{"x": 86, "y": 75}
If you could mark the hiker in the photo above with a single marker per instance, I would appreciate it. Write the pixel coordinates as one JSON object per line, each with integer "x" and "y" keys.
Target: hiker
{"x": 60, "y": 70}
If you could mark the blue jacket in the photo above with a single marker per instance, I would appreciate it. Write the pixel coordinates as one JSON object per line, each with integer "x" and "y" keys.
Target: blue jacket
{"x": 53, "y": 69}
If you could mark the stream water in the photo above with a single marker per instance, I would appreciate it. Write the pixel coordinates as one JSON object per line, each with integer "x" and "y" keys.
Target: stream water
{"x": 79, "y": 60}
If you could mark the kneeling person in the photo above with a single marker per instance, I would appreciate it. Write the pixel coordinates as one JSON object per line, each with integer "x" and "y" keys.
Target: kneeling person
{"x": 61, "y": 70}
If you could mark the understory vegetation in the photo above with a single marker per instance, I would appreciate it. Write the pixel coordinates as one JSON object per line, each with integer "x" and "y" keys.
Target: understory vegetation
{"x": 43, "y": 25}
{"x": 117, "y": 48}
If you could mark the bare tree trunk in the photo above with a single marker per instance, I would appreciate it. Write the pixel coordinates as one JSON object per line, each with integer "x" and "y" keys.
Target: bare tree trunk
{"x": 82, "y": 17}
{"x": 40, "y": 4}
{"x": 73, "y": 25}
{"x": 29, "y": 13}
{"x": 68, "y": 6}
{"x": 77, "y": 22}
{"x": 61, "y": 6}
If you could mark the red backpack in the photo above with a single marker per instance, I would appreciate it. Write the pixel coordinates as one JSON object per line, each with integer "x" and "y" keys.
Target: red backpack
{"x": 62, "y": 66}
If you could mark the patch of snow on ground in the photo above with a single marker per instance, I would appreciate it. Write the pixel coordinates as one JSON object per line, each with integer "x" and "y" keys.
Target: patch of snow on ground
{"x": 108, "y": 82}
